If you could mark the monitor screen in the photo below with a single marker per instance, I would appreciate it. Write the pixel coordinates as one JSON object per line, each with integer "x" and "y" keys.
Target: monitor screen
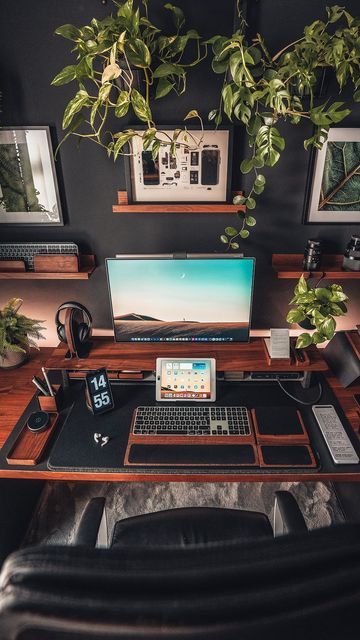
{"x": 181, "y": 300}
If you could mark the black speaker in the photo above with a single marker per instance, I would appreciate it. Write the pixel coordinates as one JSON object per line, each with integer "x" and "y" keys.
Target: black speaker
{"x": 342, "y": 354}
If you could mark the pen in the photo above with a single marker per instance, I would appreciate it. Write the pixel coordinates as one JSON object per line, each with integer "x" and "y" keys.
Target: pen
{"x": 47, "y": 382}
{"x": 40, "y": 386}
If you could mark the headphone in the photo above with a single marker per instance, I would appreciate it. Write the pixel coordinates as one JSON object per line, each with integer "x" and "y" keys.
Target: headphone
{"x": 71, "y": 331}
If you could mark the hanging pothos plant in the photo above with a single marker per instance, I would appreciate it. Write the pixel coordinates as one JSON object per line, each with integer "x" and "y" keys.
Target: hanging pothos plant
{"x": 260, "y": 90}
{"x": 121, "y": 62}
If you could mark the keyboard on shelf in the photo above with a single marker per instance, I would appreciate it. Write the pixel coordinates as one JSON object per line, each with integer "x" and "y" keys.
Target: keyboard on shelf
{"x": 27, "y": 250}
{"x": 191, "y": 421}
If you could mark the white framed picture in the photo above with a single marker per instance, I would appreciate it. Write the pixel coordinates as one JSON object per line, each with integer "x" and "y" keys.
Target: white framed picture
{"x": 198, "y": 172}
{"x": 333, "y": 194}
{"x": 29, "y": 192}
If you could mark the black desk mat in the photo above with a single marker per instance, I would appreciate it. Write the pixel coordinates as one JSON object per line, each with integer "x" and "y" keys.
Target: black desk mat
{"x": 76, "y": 450}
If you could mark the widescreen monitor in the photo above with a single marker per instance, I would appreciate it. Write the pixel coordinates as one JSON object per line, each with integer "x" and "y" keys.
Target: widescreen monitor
{"x": 162, "y": 299}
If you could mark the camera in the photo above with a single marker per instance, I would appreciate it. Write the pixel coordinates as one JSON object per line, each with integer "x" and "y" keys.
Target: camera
{"x": 312, "y": 255}
{"x": 351, "y": 261}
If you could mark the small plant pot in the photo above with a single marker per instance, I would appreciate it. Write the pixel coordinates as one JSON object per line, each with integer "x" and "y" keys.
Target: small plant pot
{"x": 306, "y": 324}
{"x": 13, "y": 359}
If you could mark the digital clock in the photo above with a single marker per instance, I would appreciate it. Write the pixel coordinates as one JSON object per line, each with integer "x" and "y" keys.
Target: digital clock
{"x": 99, "y": 397}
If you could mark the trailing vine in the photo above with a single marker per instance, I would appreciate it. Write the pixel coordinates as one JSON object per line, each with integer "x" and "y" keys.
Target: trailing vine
{"x": 125, "y": 61}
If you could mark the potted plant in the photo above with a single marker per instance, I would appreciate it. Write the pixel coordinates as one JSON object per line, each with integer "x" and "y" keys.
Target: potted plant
{"x": 316, "y": 308}
{"x": 122, "y": 62}
{"x": 17, "y": 334}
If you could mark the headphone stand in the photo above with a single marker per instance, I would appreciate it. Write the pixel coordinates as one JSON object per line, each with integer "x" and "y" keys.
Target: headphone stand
{"x": 82, "y": 351}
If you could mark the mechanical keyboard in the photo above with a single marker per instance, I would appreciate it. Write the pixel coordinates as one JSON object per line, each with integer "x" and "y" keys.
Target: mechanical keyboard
{"x": 27, "y": 250}
{"x": 191, "y": 421}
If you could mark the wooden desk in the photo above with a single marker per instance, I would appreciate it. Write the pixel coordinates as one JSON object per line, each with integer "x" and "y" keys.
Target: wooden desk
{"x": 127, "y": 356}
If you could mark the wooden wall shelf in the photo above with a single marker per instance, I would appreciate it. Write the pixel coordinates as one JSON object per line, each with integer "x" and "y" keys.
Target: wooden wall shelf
{"x": 123, "y": 206}
{"x": 87, "y": 266}
{"x": 289, "y": 265}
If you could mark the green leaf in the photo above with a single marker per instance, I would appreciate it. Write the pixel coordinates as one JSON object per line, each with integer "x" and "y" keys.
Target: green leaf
{"x": 224, "y": 239}
{"x": 68, "y": 31}
{"x": 93, "y": 112}
{"x": 227, "y": 97}
{"x": 178, "y": 15}
{"x": 304, "y": 340}
{"x": 250, "y": 203}
{"x": 318, "y": 337}
{"x": 122, "y": 104}
{"x": 258, "y": 189}
{"x": 231, "y": 231}
{"x": 244, "y": 233}
{"x": 122, "y": 139}
{"x": 76, "y": 122}
{"x": 239, "y": 199}
{"x": 234, "y": 245}
{"x": 212, "y": 114}
{"x": 67, "y": 74}
{"x": 323, "y": 294}
{"x": 250, "y": 221}
{"x": 328, "y": 327}
{"x": 295, "y": 316}
{"x": 192, "y": 114}
{"x": 138, "y": 53}
{"x": 301, "y": 286}
{"x": 260, "y": 180}
{"x": 168, "y": 69}
{"x": 104, "y": 91}
{"x": 164, "y": 86}
{"x": 140, "y": 106}
{"x": 246, "y": 165}
{"x": 74, "y": 106}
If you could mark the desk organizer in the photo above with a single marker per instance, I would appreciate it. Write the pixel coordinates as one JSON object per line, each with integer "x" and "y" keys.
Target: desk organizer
{"x": 286, "y": 456}
{"x": 49, "y": 403}
{"x": 56, "y": 263}
{"x": 279, "y": 425}
{"x": 12, "y": 265}
{"x": 29, "y": 447}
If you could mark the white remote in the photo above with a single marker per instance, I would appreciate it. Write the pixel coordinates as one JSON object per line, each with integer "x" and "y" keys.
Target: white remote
{"x": 339, "y": 445}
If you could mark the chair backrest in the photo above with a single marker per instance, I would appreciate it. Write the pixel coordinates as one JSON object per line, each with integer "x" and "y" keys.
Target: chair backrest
{"x": 300, "y": 587}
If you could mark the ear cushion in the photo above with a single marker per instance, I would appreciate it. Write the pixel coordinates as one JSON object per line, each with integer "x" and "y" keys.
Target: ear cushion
{"x": 60, "y": 329}
{"x": 83, "y": 331}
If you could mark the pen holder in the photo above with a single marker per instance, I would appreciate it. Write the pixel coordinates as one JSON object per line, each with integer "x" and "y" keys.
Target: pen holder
{"x": 49, "y": 403}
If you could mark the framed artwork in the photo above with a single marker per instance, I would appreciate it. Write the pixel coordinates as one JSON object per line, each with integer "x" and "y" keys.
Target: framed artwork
{"x": 29, "y": 192}
{"x": 200, "y": 171}
{"x": 333, "y": 190}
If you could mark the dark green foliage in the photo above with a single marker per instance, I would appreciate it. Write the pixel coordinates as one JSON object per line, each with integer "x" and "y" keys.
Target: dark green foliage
{"x": 17, "y": 332}
{"x": 320, "y": 306}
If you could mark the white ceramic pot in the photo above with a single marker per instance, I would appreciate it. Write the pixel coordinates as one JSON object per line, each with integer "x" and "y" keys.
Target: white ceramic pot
{"x": 13, "y": 359}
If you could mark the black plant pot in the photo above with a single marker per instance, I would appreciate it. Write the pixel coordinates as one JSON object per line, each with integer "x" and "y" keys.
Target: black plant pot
{"x": 306, "y": 324}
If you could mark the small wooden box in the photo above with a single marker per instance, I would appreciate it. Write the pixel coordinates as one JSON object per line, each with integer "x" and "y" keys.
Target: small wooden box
{"x": 49, "y": 403}
{"x": 12, "y": 265}
{"x": 56, "y": 263}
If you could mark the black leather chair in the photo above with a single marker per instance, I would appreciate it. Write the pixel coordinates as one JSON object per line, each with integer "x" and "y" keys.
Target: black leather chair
{"x": 193, "y": 574}
{"x": 18, "y": 502}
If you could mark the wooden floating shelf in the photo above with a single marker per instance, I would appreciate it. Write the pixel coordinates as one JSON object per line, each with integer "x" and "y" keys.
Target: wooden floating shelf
{"x": 289, "y": 265}
{"x": 87, "y": 266}
{"x": 123, "y": 206}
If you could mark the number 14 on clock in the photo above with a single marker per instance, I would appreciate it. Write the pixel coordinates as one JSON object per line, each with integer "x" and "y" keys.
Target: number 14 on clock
{"x": 98, "y": 392}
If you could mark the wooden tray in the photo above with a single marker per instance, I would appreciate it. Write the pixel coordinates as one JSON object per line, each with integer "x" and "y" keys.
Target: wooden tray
{"x": 29, "y": 447}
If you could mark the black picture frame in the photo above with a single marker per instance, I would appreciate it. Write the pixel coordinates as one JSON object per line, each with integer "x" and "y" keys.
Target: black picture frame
{"x": 207, "y": 128}
{"x": 315, "y": 172}
{"x": 51, "y": 216}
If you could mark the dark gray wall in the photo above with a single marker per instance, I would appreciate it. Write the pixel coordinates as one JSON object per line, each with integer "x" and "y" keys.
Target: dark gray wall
{"x": 30, "y": 55}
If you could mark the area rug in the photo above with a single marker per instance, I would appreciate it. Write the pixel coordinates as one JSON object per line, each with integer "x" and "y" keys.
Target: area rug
{"x": 62, "y": 503}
